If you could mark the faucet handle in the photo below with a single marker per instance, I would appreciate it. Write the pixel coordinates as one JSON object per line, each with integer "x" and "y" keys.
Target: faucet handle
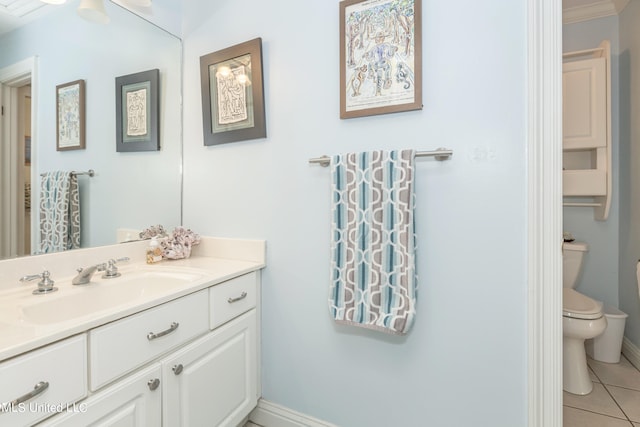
{"x": 45, "y": 285}
{"x": 111, "y": 270}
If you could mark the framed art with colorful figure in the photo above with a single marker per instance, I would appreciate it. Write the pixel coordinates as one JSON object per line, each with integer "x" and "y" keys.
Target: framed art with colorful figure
{"x": 380, "y": 57}
{"x": 70, "y": 116}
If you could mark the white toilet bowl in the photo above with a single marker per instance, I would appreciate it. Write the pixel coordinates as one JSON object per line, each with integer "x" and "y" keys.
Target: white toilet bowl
{"x": 582, "y": 318}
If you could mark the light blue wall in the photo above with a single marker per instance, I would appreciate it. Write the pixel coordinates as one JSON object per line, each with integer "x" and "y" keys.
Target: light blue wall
{"x": 630, "y": 168}
{"x": 464, "y": 361}
{"x": 130, "y": 190}
{"x": 600, "y": 274}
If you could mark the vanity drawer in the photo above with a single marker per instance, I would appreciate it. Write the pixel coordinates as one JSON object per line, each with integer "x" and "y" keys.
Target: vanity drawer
{"x": 232, "y": 298}
{"x": 121, "y": 346}
{"x": 55, "y": 375}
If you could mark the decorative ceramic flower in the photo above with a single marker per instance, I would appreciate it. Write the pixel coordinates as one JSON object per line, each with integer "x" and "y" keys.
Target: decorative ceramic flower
{"x": 153, "y": 231}
{"x": 179, "y": 244}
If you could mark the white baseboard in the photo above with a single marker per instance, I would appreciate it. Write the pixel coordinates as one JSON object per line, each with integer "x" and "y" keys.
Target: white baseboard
{"x": 269, "y": 414}
{"x": 631, "y": 352}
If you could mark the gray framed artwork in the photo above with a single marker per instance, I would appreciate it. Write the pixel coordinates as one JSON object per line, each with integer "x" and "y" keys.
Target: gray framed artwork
{"x": 233, "y": 94}
{"x": 138, "y": 112}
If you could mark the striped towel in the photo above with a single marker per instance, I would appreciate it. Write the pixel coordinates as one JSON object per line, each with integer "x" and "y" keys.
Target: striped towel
{"x": 373, "y": 274}
{"x": 59, "y": 212}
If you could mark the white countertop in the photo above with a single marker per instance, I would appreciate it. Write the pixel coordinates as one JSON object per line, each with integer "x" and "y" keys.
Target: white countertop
{"x": 214, "y": 261}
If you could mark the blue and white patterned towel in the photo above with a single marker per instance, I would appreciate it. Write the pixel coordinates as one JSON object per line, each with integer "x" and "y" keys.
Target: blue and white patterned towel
{"x": 373, "y": 273}
{"x": 59, "y": 212}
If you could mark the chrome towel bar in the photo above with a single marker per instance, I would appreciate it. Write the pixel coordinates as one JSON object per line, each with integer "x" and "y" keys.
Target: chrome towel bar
{"x": 440, "y": 154}
{"x": 90, "y": 172}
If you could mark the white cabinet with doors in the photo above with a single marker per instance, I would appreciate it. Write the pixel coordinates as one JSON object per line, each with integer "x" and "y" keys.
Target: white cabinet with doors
{"x": 187, "y": 362}
{"x": 586, "y": 86}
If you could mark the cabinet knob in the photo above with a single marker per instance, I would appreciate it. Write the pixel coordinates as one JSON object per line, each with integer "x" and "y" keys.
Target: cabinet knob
{"x": 177, "y": 369}
{"x": 153, "y": 384}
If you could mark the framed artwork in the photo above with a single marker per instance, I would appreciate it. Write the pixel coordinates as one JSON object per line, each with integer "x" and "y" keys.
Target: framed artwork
{"x": 138, "y": 112}
{"x": 70, "y": 116}
{"x": 380, "y": 57}
{"x": 232, "y": 94}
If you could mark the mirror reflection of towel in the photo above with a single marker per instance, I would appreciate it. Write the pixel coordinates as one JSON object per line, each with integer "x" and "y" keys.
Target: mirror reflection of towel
{"x": 373, "y": 274}
{"x": 59, "y": 212}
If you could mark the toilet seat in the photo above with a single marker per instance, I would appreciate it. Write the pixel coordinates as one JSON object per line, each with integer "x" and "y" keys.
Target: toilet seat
{"x": 579, "y": 306}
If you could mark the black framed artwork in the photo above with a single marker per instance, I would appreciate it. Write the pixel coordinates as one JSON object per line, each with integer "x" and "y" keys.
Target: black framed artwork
{"x": 232, "y": 94}
{"x": 138, "y": 112}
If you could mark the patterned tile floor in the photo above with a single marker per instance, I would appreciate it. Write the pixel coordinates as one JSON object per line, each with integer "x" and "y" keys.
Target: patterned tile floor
{"x": 614, "y": 401}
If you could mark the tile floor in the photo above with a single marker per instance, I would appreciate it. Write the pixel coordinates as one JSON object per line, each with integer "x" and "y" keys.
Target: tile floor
{"x": 614, "y": 401}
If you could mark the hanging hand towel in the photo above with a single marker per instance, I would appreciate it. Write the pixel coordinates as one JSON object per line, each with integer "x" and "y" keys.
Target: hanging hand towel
{"x": 373, "y": 273}
{"x": 59, "y": 212}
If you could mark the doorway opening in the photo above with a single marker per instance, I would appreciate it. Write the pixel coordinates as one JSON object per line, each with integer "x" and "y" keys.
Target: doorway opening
{"x": 17, "y": 155}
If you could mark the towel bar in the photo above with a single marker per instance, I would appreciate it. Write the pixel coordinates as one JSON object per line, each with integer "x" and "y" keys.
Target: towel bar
{"x": 90, "y": 172}
{"x": 440, "y": 154}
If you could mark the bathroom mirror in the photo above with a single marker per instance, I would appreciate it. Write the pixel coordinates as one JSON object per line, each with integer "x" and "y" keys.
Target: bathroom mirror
{"x": 129, "y": 190}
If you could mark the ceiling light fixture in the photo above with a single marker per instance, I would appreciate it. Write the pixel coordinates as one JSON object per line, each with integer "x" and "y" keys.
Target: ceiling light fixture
{"x": 54, "y": 1}
{"x": 93, "y": 10}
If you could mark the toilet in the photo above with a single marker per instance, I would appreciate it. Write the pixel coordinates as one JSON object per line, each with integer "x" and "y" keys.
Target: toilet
{"x": 582, "y": 318}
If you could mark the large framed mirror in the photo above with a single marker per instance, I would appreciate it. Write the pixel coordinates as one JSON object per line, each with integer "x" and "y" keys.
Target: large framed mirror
{"x": 129, "y": 190}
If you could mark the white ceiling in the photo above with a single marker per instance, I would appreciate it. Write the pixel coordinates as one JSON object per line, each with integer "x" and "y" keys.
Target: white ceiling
{"x": 15, "y": 13}
{"x": 166, "y": 13}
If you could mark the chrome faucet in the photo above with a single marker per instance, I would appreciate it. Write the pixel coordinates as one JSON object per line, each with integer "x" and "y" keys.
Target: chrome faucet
{"x": 84, "y": 274}
{"x": 45, "y": 285}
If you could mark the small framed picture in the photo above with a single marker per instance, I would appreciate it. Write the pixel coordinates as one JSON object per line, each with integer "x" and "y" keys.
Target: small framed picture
{"x": 380, "y": 57}
{"x": 70, "y": 116}
{"x": 138, "y": 112}
{"x": 232, "y": 94}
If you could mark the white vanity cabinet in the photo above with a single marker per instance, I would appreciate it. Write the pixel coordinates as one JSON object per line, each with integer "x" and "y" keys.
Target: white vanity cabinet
{"x": 192, "y": 361}
{"x": 43, "y": 382}
{"x": 212, "y": 382}
{"x": 135, "y": 402}
{"x": 122, "y": 346}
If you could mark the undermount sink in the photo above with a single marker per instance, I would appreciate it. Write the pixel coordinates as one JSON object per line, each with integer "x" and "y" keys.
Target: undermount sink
{"x": 103, "y": 294}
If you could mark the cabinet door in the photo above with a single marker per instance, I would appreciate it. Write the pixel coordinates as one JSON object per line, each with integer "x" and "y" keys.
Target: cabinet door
{"x": 584, "y": 105}
{"x": 145, "y": 336}
{"x": 43, "y": 382}
{"x": 213, "y": 381}
{"x": 133, "y": 402}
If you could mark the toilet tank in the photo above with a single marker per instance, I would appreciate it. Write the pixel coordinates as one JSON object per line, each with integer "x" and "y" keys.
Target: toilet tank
{"x": 572, "y": 256}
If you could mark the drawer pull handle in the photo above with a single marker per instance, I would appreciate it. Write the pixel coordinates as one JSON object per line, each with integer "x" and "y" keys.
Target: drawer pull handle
{"x": 243, "y": 295}
{"x": 153, "y": 384}
{"x": 177, "y": 369}
{"x": 39, "y": 388}
{"x": 152, "y": 336}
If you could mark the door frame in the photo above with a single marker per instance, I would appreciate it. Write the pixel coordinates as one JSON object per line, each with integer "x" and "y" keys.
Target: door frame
{"x": 544, "y": 217}
{"x": 11, "y": 78}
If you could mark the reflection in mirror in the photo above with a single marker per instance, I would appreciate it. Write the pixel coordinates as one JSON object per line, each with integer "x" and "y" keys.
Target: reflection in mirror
{"x": 130, "y": 190}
